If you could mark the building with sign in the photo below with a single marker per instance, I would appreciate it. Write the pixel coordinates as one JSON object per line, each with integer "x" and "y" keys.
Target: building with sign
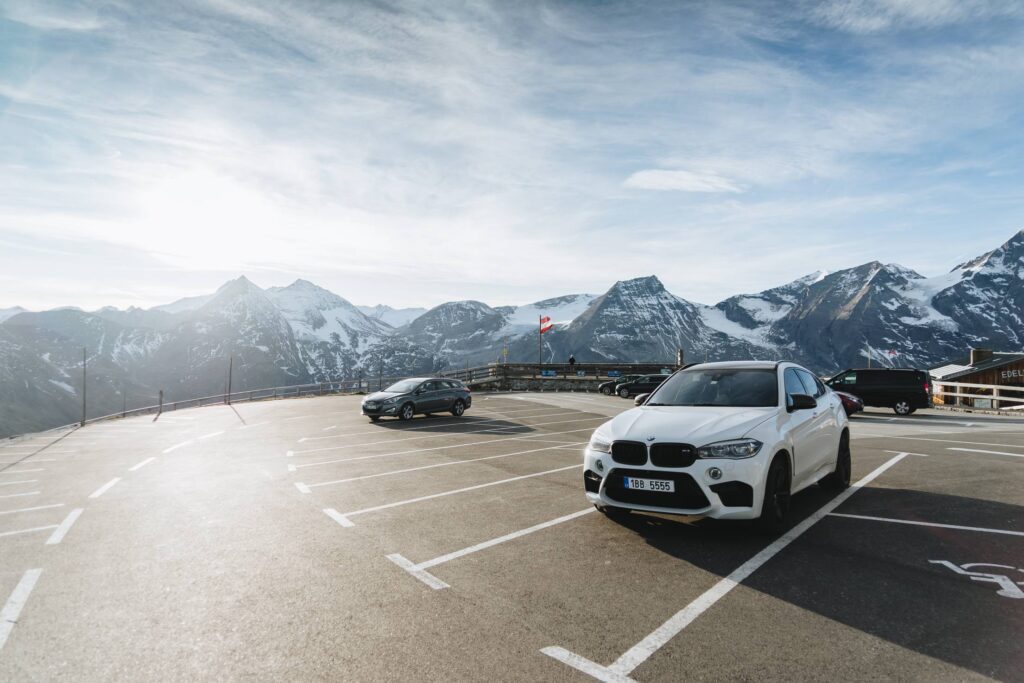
{"x": 983, "y": 368}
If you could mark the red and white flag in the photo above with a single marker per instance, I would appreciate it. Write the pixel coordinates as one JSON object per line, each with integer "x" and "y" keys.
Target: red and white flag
{"x": 545, "y": 324}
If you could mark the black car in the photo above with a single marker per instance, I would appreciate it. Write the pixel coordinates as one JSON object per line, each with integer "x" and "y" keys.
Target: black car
{"x": 902, "y": 389}
{"x": 608, "y": 388}
{"x": 418, "y": 396}
{"x": 644, "y": 384}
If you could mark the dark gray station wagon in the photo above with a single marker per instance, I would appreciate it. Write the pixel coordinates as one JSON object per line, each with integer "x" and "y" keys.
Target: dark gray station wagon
{"x": 418, "y": 396}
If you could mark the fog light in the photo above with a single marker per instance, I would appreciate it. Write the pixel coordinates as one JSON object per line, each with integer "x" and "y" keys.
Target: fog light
{"x": 715, "y": 473}
{"x": 599, "y": 465}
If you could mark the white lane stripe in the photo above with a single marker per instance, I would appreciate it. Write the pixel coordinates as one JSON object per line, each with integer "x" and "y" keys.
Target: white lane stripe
{"x": 16, "y": 602}
{"x": 459, "y": 422}
{"x": 210, "y": 435}
{"x": 26, "y": 461}
{"x": 65, "y": 526}
{"x": 442, "y": 421}
{"x": 327, "y": 429}
{"x": 410, "y": 501}
{"x": 440, "y": 464}
{"x": 12, "y": 483}
{"x": 919, "y": 438}
{"x": 38, "y": 507}
{"x": 440, "y": 448}
{"x": 639, "y": 653}
{"x": 19, "y": 495}
{"x": 976, "y": 450}
{"x": 479, "y": 431}
{"x": 16, "y": 472}
{"x": 141, "y": 464}
{"x": 424, "y": 576}
{"x": 502, "y": 539}
{"x": 338, "y": 517}
{"x": 29, "y": 531}
{"x": 297, "y": 417}
{"x": 177, "y": 446}
{"x": 934, "y": 524}
{"x": 106, "y": 487}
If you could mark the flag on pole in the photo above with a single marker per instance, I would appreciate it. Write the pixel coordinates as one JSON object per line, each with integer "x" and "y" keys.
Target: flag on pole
{"x": 545, "y": 324}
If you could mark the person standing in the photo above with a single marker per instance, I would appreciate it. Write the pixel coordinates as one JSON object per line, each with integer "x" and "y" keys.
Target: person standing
{"x": 572, "y": 361}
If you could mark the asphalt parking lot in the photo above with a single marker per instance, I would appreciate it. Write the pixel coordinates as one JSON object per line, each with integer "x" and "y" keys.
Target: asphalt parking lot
{"x": 295, "y": 540}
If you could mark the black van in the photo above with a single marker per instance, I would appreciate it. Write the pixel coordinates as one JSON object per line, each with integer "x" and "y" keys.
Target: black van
{"x": 902, "y": 389}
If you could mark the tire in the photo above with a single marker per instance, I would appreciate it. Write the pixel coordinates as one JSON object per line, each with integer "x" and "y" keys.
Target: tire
{"x": 458, "y": 408}
{"x": 624, "y": 393}
{"x": 839, "y": 479}
{"x": 902, "y": 407}
{"x": 607, "y": 391}
{"x": 775, "y": 506}
{"x": 613, "y": 513}
{"x": 406, "y": 412}
{"x": 374, "y": 418}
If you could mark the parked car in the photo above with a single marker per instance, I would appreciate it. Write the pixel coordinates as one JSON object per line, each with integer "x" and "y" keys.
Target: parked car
{"x": 643, "y": 384}
{"x": 851, "y": 404}
{"x": 608, "y": 388}
{"x": 902, "y": 389}
{"x": 418, "y": 396}
{"x": 724, "y": 440}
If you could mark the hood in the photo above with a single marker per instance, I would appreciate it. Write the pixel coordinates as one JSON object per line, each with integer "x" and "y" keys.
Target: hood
{"x": 699, "y": 425}
{"x": 382, "y": 395}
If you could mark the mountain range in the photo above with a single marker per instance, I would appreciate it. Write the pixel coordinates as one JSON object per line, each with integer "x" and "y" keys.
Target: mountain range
{"x": 304, "y": 333}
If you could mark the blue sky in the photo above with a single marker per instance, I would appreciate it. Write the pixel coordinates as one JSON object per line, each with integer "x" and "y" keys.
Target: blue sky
{"x": 414, "y": 153}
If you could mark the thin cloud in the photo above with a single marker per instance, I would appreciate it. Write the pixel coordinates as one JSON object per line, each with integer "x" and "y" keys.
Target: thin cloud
{"x": 680, "y": 181}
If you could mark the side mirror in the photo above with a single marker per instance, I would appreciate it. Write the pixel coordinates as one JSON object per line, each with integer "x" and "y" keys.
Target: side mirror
{"x": 802, "y": 402}
{"x": 641, "y": 399}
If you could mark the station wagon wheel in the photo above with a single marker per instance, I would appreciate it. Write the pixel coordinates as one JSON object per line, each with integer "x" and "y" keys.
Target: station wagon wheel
{"x": 407, "y": 411}
{"x": 624, "y": 393}
{"x": 902, "y": 408}
{"x": 458, "y": 408}
{"x": 607, "y": 391}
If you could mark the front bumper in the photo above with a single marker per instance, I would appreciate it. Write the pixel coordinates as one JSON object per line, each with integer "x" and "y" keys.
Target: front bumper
{"x": 380, "y": 410}
{"x": 695, "y": 488}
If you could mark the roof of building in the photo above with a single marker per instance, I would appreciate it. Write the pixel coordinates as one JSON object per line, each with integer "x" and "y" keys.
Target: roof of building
{"x": 997, "y": 360}
{"x": 946, "y": 370}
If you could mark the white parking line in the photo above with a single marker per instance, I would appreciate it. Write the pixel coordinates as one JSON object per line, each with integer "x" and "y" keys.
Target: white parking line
{"x": 432, "y": 436}
{"x": 327, "y": 429}
{"x": 177, "y": 446}
{"x": 106, "y": 487}
{"x": 210, "y": 435}
{"x": 343, "y": 518}
{"x": 28, "y": 531}
{"x": 933, "y": 524}
{"x": 141, "y": 464}
{"x": 921, "y": 438}
{"x": 975, "y": 450}
{"x": 26, "y": 461}
{"x": 437, "y": 448}
{"x": 440, "y": 464}
{"x": 16, "y": 602}
{"x": 16, "y": 472}
{"x": 254, "y": 424}
{"x": 419, "y": 570}
{"x": 65, "y": 526}
{"x": 620, "y": 669}
{"x": 12, "y": 483}
{"x": 39, "y": 507}
{"x": 491, "y": 430}
{"x": 19, "y": 495}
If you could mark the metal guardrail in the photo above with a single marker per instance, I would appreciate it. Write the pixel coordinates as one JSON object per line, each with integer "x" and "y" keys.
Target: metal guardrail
{"x": 472, "y": 375}
{"x": 985, "y": 396}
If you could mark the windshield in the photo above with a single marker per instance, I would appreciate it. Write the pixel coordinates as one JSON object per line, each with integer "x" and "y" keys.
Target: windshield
{"x": 404, "y": 387}
{"x": 739, "y": 388}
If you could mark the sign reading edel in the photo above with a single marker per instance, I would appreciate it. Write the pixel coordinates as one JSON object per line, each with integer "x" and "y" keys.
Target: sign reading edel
{"x": 1011, "y": 374}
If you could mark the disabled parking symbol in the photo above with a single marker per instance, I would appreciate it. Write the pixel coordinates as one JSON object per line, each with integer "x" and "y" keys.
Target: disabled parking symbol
{"x": 1008, "y": 588}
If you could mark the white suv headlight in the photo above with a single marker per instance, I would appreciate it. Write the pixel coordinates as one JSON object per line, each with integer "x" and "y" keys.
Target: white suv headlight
{"x": 600, "y": 444}
{"x": 738, "y": 448}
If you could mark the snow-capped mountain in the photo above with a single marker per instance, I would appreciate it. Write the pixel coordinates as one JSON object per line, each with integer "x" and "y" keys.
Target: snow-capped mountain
{"x": 331, "y": 333}
{"x": 6, "y": 313}
{"x": 303, "y": 333}
{"x": 395, "y": 317}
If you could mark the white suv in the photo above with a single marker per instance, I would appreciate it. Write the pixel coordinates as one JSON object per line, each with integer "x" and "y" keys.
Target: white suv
{"x": 723, "y": 440}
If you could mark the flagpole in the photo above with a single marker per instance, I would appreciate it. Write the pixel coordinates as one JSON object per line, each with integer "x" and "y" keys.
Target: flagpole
{"x": 540, "y": 345}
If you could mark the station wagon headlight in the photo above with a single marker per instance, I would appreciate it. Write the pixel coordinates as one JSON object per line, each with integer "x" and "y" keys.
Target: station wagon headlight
{"x": 599, "y": 444}
{"x": 739, "y": 448}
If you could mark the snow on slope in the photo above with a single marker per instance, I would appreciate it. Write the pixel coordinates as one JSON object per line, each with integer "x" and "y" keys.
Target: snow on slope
{"x": 319, "y": 315}
{"x": 562, "y": 311}
{"x": 395, "y": 317}
{"x": 6, "y": 313}
{"x": 189, "y": 303}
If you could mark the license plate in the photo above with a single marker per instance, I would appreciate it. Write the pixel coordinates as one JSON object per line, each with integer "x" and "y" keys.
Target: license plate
{"x": 371, "y": 406}
{"x": 659, "y": 485}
